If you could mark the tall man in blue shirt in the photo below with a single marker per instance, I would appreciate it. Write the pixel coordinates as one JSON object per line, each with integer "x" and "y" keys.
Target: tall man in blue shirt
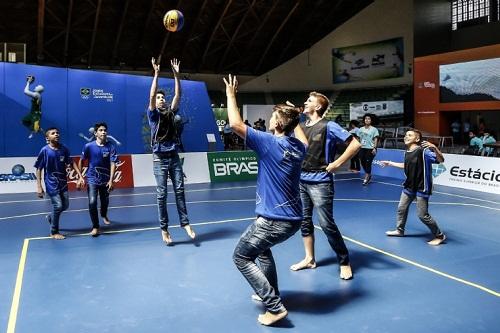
{"x": 53, "y": 160}
{"x": 166, "y": 161}
{"x": 102, "y": 158}
{"x": 316, "y": 181}
{"x": 278, "y": 205}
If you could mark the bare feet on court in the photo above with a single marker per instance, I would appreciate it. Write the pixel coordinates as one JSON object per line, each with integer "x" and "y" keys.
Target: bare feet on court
{"x": 58, "y": 236}
{"x": 306, "y": 263}
{"x": 189, "y": 231}
{"x": 269, "y": 318}
{"x": 345, "y": 272}
{"x": 166, "y": 237}
{"x": 106, "y": 221}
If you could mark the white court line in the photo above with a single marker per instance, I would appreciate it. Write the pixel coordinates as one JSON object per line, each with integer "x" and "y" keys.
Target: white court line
{"x": 128, "y": 206}
{"x": 149, "y": 228}
{"x": 135, "y": 194}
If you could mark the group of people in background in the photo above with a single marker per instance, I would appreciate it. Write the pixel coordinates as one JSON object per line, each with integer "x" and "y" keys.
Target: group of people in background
{"x": 296, "y": 175}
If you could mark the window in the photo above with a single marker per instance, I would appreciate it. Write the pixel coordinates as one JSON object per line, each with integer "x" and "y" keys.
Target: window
{"x": 474, "y": 11}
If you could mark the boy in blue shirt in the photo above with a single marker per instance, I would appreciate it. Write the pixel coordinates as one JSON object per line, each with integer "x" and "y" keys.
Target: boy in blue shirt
{"x": 278, "y": 205}
{"x": 417, "y": 165}
{"x": 102, "y": 158}
{"x": 53, "y": 160}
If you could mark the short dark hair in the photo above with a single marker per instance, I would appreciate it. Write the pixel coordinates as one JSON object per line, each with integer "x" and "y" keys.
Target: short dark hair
{"x": 50, "y": 129}
{"x": 101, "y": 124}
{"x": 416, "y": 131}
{"x": 288, "y": 117}
{"x": 161, "y": 92}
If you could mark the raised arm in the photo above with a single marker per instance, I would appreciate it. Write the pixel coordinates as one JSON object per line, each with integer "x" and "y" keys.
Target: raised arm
{"x": 233, "y": 113}
{"x": 154, "y": 84}
{"x": 177, "y": 90}
{"x": 439, "y": 155}
{"x": 27, "y": 90}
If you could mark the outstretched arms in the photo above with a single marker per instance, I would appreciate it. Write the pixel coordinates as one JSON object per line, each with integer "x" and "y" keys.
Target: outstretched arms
{"x": 233, "y": 113}
{"x": 177, "y": 90}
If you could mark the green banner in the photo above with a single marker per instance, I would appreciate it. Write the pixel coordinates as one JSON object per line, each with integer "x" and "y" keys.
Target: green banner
{"x": 231, "y": 166}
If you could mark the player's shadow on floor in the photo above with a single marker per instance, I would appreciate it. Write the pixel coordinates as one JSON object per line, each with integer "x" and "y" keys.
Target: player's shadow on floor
{"x": 205, "y": 236}
{"x": 363, "y": 259}
{"x": 319, "y": 302}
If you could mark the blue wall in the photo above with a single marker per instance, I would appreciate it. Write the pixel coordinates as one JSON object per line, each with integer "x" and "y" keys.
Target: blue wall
{"x": 119, "y": 100}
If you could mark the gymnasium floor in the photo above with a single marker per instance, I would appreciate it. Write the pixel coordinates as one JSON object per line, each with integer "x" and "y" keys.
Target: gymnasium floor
{"x": 126, "y": 280}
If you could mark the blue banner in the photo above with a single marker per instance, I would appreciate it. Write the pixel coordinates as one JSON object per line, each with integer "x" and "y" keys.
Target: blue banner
{"x": 394, "y": 155}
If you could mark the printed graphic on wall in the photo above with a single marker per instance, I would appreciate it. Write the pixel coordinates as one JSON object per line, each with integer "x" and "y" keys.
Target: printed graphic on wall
{"x": 232, "y": 166}
{"x": 383, "y": 109}
{"x": 374, "y": 61}
{"x": 470, "y": 81}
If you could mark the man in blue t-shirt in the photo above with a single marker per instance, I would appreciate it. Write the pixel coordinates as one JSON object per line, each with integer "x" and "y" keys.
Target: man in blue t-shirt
{"x": 101, "y": 156}
{"x": 278, "y": 205}
{"x": 53, "y": 160}
{"x": 316, "y": 181}
{"x": 164, "y": 142}
{"x": 419, "y": 157}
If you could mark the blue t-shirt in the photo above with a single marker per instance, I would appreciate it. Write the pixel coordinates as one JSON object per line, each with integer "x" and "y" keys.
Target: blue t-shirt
{"x": 334, "y": 134}
{"x": 280, "y": 160}
{"x": 100, "y": 159}
{"x": 53, "y": 162}
{"x": 367, "y": 136}
{"x": 154, "y": 122}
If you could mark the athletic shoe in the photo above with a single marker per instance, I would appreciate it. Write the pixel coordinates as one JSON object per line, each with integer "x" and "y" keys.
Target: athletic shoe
{"x": 395, "y": 233}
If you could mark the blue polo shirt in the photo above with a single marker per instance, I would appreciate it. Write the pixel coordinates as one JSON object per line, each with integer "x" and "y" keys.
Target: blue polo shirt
{"x": 53, "y": 162}
{"x": 280, "y": 161}
{"x": 100, "y": 159}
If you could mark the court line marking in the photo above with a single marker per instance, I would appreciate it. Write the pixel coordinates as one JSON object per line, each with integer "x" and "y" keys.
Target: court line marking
{"x": 22, "y": 262}
{"x": 11, "y": 326}
{"x": 133, "y": 194}
{"x": 427, "y": 268}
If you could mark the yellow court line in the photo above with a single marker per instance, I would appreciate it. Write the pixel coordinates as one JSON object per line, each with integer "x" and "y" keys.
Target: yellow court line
{"x": 17, "y": 290}
{"x": 416, "y": 264}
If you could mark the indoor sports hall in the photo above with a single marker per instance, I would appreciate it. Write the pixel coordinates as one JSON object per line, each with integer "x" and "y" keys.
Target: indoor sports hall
{"x": 249, "y": 166}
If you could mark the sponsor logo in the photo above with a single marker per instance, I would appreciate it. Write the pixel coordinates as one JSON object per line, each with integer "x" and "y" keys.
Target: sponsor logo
{"x": 18, "y": 175}
{"x": 477, "y": 174}
{"x": 426, "y": 84}
{"x": 100, "y": 94}
{"x": 232, "y": 166}
{"x": 437, "y": 170}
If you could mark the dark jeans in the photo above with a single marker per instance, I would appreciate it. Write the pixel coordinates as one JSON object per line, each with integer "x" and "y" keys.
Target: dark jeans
{"x": 320, "y": 195}
{"x": 93, "y": 191}
{"x": 256, "y": 243}
{"x": 422, "y": 211}
{"x": 169, "y": 165}
{"x": 60, "y": 202}
{"x": 366, "y": 156}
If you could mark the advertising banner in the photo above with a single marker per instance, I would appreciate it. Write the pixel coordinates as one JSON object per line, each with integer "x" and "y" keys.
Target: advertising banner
{"x": 231, "y": 166}
{"x": 374, "y": 61}
{"x": 469, "y": 172}
{"x": 17, "y": 175}
{"x": 382, "y": 109}
{"x": 123, "y": 178}
{"x": 394, "y": 155}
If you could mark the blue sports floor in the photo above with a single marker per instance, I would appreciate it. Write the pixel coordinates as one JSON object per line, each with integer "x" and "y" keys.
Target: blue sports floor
{"x": 127, "y": 280}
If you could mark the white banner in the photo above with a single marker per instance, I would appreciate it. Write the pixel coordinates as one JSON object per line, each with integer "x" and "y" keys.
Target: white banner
{"x": 379, "y": 108}
{"x": 17, "y": 175}
{"x": 195, "y": 166}
{"x": 469, "y": 172}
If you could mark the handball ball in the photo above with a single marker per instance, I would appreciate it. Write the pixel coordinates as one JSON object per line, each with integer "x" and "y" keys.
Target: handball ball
{"x": 173, "y": 20}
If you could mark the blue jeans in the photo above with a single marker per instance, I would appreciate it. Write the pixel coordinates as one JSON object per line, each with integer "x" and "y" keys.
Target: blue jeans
{"x": 256, "y": 243}
{"x": 320, "y": 195}
{"x": 60, "y": 202}
{"x": 93, "y": 191}
{"x": 165, "y": 165}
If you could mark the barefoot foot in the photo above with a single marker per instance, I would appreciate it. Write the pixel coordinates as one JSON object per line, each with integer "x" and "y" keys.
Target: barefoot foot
{"x": 304, "y": 264}
{"x": 189, "y": 231}
{"x": 166, "y": 237}
{"x": 269, "y": 318}
{"x": 345, "y": 272}
{"x": 58, "y": 236}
